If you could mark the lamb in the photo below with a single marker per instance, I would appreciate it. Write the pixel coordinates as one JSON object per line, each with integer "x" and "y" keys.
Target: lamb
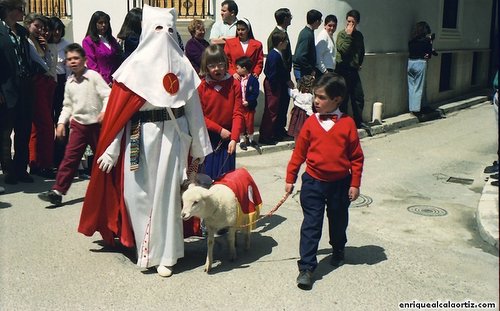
{"x": 234, "y": 202}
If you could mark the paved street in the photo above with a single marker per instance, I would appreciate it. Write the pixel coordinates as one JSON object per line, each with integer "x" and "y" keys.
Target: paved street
{"x": 392, "y": 256}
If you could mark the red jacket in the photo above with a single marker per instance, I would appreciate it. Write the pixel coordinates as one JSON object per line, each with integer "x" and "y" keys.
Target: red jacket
{"x": 329, "y": 155}
{"x": 233, "y": 50}
{"x": 223, "y": 108}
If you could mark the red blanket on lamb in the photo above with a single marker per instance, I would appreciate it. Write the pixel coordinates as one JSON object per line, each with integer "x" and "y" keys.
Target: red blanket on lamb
{"x": 246, "y": 192}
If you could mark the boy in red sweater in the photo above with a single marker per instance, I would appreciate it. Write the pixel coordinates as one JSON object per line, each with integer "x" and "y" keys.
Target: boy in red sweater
{"x": 329, "y": 144}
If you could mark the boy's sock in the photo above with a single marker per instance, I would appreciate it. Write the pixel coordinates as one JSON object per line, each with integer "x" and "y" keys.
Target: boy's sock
{"x": 57, "y": 192}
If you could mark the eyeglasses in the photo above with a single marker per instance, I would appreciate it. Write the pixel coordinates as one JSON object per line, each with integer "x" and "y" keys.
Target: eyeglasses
{"x": 218, "y": 65}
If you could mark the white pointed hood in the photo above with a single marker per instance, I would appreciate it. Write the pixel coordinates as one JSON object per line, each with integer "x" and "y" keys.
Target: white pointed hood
{"x": 158, "y": 70}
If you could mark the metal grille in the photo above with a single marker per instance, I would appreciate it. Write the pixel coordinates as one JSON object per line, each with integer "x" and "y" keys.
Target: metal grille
{"x": 185, "y": 8}
{"x": 48, "y": 7}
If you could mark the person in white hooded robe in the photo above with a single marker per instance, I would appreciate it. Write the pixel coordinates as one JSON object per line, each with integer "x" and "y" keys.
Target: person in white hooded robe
{"x": 154, "y": 118}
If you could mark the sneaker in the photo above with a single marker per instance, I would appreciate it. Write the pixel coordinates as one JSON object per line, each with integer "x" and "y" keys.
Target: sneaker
{"x": 51, "y": 196}
{"x": 337, "y": 259}
{"x": 304, "y": 280}
{"x": 243, "y": 146}
{"x": 494, "y": 183}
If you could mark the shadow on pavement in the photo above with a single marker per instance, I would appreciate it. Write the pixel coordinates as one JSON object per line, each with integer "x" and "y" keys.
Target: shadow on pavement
{"x": 129, "y": 252}
{"x": 362, "y": 255}
{"x": 196, "y": 253}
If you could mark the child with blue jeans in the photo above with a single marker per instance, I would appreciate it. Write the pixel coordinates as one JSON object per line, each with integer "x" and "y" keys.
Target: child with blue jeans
{"x": 329, "y": 144}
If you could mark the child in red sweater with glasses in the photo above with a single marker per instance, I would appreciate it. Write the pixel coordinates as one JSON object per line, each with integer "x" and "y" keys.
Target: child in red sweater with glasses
{"x": 329, "y": 144}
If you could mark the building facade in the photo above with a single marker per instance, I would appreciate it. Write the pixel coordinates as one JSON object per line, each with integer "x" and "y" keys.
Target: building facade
{"x": 465, "y": 32}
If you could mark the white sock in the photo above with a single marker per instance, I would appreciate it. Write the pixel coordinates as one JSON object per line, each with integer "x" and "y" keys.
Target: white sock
{"x": 57, "y": 192}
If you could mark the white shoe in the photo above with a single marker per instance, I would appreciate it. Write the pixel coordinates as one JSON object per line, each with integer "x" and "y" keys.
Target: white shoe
{"x": 164, "y": 271}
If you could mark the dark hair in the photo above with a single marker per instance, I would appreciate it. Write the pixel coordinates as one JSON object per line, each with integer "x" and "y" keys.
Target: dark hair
{"x": 10, "y": 5}
{"x": 420, "y": 30}
{"x": 313, "y": 16}
{"x": 354, "y": 14}
{"x": 306, "y": 84}
{"x": 333, "y": 84}
{"x": 277, "y": 37}
{"x": 231, "y": 6}
{"x": 75, "y": 47}
{"x": 56, "y": 24}
{"x": 245, "y": 62}
{"x": 131, "y": 24}
{"x": 214, "y": 53}
{"x": 331, "y": 18}
{"x": 245, "y": 22}
{"x": 92, "y": 29}
{"x": 281, "y": 14}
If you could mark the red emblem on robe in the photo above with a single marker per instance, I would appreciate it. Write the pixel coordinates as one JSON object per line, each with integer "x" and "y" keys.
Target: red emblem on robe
{"x": 171, "y": 83}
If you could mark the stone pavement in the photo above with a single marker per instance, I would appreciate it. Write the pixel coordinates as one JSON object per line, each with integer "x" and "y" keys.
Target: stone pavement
{"x": 487, "y": 214}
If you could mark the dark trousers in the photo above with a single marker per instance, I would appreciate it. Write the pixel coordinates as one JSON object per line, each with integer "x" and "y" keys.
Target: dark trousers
{"x": 17, "y": 119}
{"x": 275, "y": 111}
{"x": 314, "y": 195}
{"x": 354, "y": 93}
{"x": 80, "y": 136}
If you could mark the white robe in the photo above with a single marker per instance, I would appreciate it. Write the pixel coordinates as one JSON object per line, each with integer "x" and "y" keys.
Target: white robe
{"x": 152, "y": 193}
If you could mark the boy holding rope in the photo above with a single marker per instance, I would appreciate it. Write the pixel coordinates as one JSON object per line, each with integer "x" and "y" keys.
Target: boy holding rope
{"x": 329, "y": 144}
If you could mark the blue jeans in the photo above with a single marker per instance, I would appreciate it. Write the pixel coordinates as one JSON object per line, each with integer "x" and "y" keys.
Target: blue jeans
{"x": 416, "y": 83}
{"x": 314, "y": 195}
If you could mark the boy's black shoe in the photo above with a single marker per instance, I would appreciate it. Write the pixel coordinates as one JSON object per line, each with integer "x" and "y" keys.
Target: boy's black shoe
{"x": 52, "y": 197}
{"x": 494, "y": 183}
{"x": 337, "y": 258}
{"x": 243, "y": 146}
{"x": 304, "y": 280}
{"x": 494, "y": 176}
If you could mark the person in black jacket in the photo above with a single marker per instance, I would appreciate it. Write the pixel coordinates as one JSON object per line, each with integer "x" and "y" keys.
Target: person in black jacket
{"x": 16, "y": 92}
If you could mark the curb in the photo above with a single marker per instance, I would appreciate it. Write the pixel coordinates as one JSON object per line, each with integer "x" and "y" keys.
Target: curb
{"x": 487, "y": 214}
{"x": 389, "y": 124}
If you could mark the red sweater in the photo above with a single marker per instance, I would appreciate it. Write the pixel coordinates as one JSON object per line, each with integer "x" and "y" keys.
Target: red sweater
{"x": 329, "y": 155}
{"x": 233, "y": 51}
{"x": 223, "y": 108}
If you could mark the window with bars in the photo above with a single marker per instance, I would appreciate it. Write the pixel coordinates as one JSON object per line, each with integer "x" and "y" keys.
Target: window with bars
{"x": 185, "y": 8}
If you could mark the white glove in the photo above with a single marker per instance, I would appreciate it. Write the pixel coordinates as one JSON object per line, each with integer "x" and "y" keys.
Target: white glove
{"x": 106, "y": 163}
{"x": 109, "y": 158}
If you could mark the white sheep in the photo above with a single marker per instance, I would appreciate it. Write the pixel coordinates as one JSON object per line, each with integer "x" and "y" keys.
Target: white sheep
{"x": 219, "y": 207}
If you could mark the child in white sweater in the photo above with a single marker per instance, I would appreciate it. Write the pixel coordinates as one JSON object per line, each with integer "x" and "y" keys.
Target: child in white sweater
{"x": 85, "y": 97}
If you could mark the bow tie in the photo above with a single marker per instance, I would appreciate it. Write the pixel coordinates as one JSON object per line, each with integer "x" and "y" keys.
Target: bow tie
{"x": 328, "y": 116}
